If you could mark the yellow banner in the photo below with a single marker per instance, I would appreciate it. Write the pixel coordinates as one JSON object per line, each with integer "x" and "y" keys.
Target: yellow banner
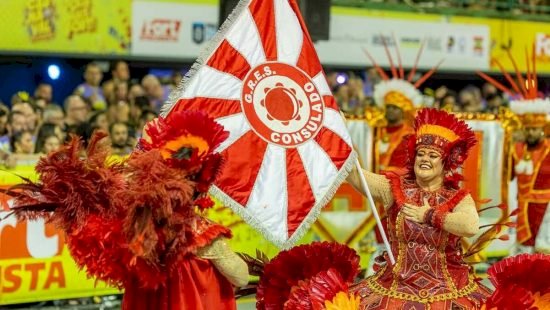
{"x": 518, "y": 36}
{"x": 66, "y": 26}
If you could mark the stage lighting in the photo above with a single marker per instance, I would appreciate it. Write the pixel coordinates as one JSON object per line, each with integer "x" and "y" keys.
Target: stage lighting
{"x": 341, "y": 78}
{"x": 54, "y": 72}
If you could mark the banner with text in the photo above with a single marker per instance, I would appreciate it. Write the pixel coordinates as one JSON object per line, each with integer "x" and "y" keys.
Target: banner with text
{"x": 66, "y": 26}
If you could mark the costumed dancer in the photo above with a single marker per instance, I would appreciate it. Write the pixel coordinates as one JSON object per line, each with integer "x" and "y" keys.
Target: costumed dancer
{"x": 137, "y": 224}
{"x": 531, "y": 159}
{"x": 428, "y": 214}
{"x": 399, "y": 98}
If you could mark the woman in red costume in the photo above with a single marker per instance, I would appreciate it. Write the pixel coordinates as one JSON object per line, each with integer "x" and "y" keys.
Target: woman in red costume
{"x": 428, "y": 214}
{"x": 137, "y": 224}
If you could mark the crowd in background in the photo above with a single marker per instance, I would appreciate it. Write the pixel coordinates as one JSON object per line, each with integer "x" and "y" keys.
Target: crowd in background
{"x": 121, "y": 104}
{"x": 32, "y": 124}
{"x": 355, "y": 95}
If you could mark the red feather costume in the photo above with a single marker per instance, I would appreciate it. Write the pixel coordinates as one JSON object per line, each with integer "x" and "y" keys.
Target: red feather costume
{"x": 521, "y": 283}
{"x": 135, "y": 224}
{"x": 309, "y": 277}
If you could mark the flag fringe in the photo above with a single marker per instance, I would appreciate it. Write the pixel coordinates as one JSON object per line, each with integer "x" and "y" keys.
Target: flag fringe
{"x": 204, "y": 55}
{"x": 304, "y": 227}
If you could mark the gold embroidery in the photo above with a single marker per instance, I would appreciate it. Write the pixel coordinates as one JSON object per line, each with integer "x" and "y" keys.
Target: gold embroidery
{"x": 402, "y": 251}
{"x": 443, "y": 259}
{"x": 378, "y": 289}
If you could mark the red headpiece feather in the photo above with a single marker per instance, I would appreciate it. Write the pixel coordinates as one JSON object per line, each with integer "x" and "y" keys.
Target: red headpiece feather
{"x": 443, "y": 132}
{"x": 293, "y": 275}
{"x": 521, "y": 282}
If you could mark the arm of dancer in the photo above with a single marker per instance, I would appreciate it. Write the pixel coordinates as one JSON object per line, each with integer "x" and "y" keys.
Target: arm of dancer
{"x": 379, "y": 186}
{"x": 229, "y": 264}
{"x": 462, "y": 221}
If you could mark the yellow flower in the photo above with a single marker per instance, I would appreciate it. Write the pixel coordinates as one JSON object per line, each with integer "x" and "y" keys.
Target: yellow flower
{"x": 174, "y": 146}
{"x": 541, "y": 302}
{"x": 343, "y": 301}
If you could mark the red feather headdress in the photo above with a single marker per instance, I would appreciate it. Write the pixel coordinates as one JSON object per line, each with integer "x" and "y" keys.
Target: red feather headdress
{"x": 521, "y": 283}
{"x": 443, "y": 132}
{"x": 307, "y": 276}
{"x": 131, "y": 222}
{"x": 529, "y": 104}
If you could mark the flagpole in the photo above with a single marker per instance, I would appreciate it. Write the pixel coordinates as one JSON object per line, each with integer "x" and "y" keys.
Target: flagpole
{"x": 374, "y": 210}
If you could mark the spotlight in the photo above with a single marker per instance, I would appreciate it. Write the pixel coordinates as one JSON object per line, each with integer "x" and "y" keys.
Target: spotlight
{"x": 341, "y": 78}
{"x": 54, "y": 72}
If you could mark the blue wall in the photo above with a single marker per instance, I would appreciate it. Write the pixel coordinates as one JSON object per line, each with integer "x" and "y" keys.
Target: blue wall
{"x": 24, "y": 74}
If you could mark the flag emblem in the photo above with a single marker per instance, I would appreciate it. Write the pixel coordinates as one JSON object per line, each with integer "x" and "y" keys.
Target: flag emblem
{"x": 288, "y": 149}
{"x": 282, "y": 104}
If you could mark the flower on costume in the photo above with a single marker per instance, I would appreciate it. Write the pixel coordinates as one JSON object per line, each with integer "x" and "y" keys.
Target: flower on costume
{"x": 521, "y": 283}
{"x": 307, "y": 276}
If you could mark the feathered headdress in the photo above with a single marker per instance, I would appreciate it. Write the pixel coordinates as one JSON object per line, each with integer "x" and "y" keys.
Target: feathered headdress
{"x": 521, "y": 283}
{"x": 314, "y": 276}
{"x": 397, "y": 90}
{"x": 531, "y": 107}
{"x": 134, "y": 221}
{"x": 439, "y": 130}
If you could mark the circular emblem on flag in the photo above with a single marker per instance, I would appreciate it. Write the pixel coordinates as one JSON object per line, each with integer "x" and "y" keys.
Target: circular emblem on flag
{"x": 282, "y": 104}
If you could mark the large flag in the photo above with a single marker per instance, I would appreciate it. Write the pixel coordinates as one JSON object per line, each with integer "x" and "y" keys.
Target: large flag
{"x": 288, "y": 149}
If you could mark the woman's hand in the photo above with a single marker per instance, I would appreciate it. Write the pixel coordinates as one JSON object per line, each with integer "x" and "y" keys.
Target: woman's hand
{"x": 416, "y": 213}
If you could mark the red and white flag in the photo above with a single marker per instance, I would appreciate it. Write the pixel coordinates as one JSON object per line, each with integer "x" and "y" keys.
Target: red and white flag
{"x": 289, "y": 149}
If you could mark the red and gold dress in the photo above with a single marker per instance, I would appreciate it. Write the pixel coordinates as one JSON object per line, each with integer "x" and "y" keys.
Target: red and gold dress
{"x": 429, "y": 272}
{"x": 532, "y": 168}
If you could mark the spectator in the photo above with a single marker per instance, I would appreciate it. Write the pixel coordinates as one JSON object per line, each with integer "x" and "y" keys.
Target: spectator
{"x": 175, "y": 78}
{"x": 40, "y": 104}
{"x": 76, "y": 110}
{"x": 20, "y": 96}
{"x": 157, "y": 93}
{"x": 48, "y": 139}
{"x": 120, "y": 74}
{"x": 29, "y": 112}
{"x": 470, "y": 99}
{"x": 119, "y": 138}
{"x": 21, "y": 142}
{"x": 16, "y": 122}
{"x": 136, "y": 109}
{"x": 4, "y": 130}
{"x": 135, "y": 91}
{"x": 44, "y": 91}
{"x": 449, "y": 102}
{"x": 494, "y": 103}
{"x": 53, "y": 114}
{"x": 90, "y": 89}
{"x": 146, "y": 116}
{"x": 488, "y": 89}
{"x": 99, "y": 121}
{"x": 120, "y": 92}
{"x": 51, "y": 144}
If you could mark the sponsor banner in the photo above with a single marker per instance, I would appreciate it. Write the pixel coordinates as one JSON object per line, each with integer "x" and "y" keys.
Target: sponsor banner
{"x": 462, "y": 47}
{"x": 172, "y": 29}
{"x": 516, "y": 35}
{"x": 65, "y": 26}
{"x": 35, "y": 263}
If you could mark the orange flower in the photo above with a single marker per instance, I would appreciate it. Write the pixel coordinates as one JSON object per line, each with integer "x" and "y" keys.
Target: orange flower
{"x": 343, "y": 301}
{"x": 187, "y": 141}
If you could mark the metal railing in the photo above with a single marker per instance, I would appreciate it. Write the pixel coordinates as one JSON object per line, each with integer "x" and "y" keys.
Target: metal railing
{"x": 537, "y": 10}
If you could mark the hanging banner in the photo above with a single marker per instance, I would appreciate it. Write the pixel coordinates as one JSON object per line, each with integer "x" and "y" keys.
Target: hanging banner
{"x": 171, "y": 29}
{"x": 462, "y": 47}
{"x": 35, "y": 263}
{"x": 65, "y": 26}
